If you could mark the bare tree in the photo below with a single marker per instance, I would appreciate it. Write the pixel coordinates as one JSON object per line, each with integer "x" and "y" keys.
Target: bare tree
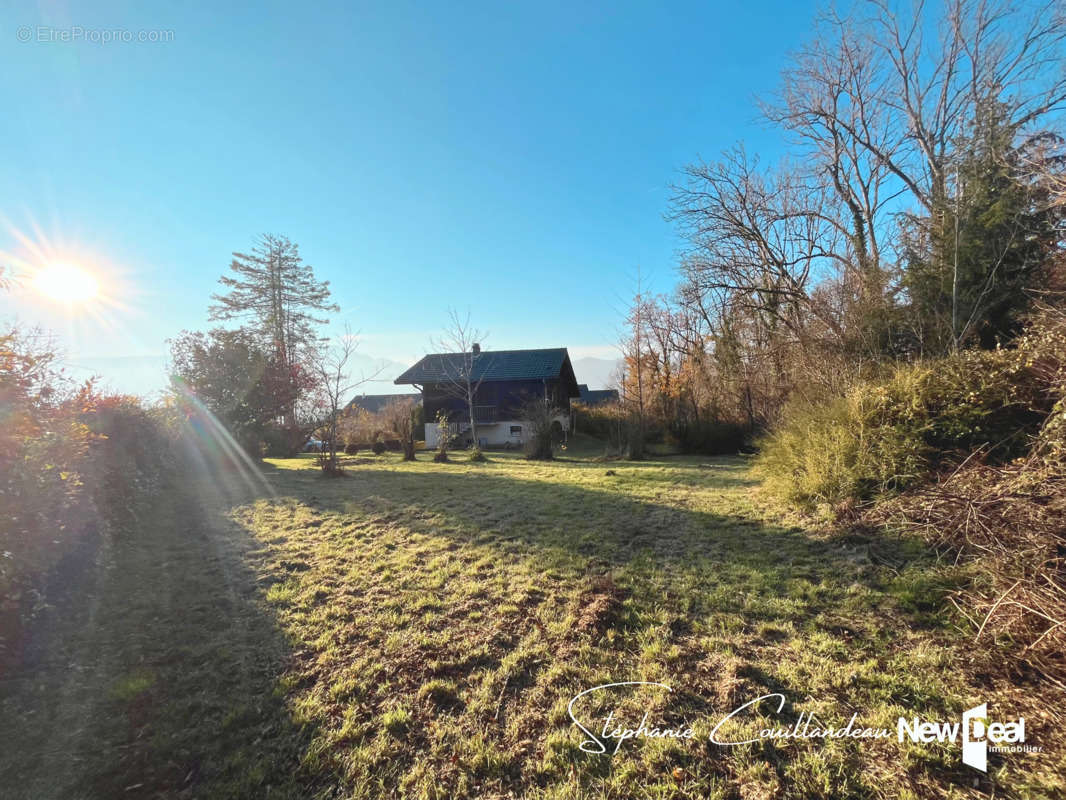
{"x": 917, "y": 93}
{"x": 635, "y": 390}
{"x": 335, "y": 384}
{"x": 805, "y": 263}
{"x": 878, "y": 95}
{"x": 399, "y": 414}
{"x": 759, "y": 237}
{"x": 462, "y": 364}
{"x": 1043, "y": 166}
{"x": 540, "y": 414}
{"x": 829, "y": 105}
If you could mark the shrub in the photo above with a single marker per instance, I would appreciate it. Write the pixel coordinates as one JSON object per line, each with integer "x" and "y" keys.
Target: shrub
{"x": 75, "y": 465}
{"x": 444, "y": 437}
{"x": 711, "y": 438}
{"x": 540, "y": 418}
{"x": 1044, "y": 349}
{"x": 888, "y": 435}
{"x": 618, "y": 427}
{"x": 351, "y": 449}
{"x": 599, "y": 421}
{"x": 378, "y": 448}
{"x": 401, "y": 417}
{"x": 1009, "y": 519}
{"x": 477, "y": 455}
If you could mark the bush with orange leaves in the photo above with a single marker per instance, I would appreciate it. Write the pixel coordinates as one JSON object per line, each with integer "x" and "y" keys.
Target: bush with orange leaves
{"x": 72, "y": 462}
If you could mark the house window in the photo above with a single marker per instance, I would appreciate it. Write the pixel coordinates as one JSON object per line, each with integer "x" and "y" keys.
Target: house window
{"x": 516, "y": 430}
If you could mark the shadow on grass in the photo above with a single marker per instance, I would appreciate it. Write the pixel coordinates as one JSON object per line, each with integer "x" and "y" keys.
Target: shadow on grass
{"x": 608, "y": 525}
{"x": 159, "y": 675}
{"x": 720, "y": 591}
{"x": 733, "y": 572}
{"x": 723, "y": 604}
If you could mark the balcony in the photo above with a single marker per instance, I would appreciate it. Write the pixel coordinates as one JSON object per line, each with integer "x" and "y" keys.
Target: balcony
{"x": 485, "y": 415}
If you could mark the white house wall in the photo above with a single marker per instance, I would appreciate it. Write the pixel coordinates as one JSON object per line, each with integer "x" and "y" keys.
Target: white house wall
{"x": 496, "y": 434}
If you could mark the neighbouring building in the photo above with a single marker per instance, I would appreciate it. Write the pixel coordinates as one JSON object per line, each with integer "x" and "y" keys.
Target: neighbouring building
{"x": 374, "y": 403}
{"x": 506, "y": 380}
{"x": 595, "y": 397}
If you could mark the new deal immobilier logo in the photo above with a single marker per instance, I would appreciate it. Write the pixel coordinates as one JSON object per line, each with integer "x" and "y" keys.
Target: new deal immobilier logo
{"x": 977, "y": 734}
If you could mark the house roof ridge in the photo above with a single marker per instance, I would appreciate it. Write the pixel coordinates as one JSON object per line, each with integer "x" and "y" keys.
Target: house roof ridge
{"x": 515, "y": 350}
{"x": 532, "y": 363}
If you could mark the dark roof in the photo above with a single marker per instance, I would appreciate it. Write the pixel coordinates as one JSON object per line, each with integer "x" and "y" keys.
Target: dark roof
{"x": 592, "y": 397}
{"x": 374, "y": 403}
{"x": 496, "y": 365}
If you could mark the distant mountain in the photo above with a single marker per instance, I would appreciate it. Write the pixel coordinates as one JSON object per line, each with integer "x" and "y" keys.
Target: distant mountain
{"x": 598, "y": 373}
{"x": 363, "y": 365}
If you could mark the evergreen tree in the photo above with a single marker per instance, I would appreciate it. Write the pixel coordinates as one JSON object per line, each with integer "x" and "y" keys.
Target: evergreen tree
{"x": 973, "y": 262}
{"x": 277, "y": 292}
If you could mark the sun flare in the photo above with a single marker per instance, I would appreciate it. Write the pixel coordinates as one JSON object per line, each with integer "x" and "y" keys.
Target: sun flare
{"x": 66, "y": 283}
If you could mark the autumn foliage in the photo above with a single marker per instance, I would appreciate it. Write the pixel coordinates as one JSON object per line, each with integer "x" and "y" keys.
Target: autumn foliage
{"x": 73, "y": 460}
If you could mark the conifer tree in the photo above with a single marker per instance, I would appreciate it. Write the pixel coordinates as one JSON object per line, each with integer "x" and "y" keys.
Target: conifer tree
{"x": 278, "y": 294}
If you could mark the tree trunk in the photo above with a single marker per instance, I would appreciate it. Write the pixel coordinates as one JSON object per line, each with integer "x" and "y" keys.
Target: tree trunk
{"x": 470, "y": 406}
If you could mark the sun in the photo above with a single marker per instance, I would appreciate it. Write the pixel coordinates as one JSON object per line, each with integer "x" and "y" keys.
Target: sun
{"x": 66, "y": 283}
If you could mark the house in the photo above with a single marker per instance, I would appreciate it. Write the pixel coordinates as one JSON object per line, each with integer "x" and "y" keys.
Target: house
{"x": 595, "y": 397}
{"x": 373, "y": 403}
{"x": 506, "y": 380}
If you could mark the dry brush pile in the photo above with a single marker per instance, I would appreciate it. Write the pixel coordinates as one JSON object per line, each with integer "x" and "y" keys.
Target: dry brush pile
{"x": 1011, "y": 519}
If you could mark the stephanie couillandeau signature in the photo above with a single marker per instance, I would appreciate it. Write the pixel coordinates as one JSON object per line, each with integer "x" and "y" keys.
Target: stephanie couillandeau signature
{"x": 805, "y": 727}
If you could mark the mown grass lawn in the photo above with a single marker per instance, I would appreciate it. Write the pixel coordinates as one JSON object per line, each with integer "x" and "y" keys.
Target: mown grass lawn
{"x": 418, "y": 630}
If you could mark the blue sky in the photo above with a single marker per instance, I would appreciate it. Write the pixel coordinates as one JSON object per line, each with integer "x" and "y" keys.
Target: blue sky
{"x": 510, "y": 158}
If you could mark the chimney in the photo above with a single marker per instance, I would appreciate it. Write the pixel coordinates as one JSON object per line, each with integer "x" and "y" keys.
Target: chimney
{"x": 475, "y": 348}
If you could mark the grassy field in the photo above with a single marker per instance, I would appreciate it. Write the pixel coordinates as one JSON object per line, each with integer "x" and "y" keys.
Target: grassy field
{"x": 418, "y": 630}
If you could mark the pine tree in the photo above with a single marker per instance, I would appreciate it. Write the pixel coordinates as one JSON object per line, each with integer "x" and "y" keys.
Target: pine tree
{"x": 277, "y": 292}
{"x": 975, "y": 260}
